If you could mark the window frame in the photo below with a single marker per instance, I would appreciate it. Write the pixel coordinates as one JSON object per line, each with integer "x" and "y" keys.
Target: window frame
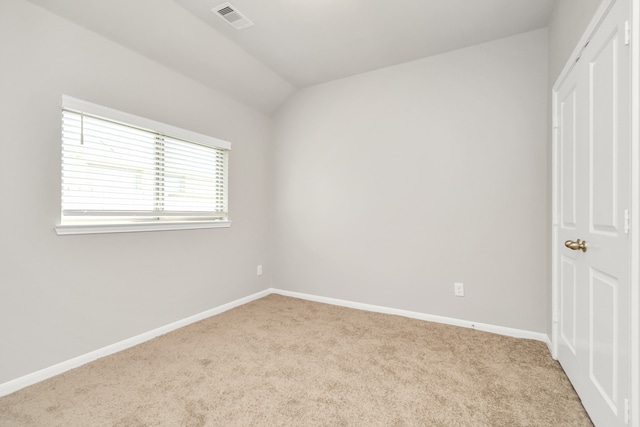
{"x": 74, "y": 104}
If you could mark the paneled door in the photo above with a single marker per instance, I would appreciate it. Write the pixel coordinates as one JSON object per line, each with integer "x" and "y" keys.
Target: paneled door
{"x": 592, "y": 254}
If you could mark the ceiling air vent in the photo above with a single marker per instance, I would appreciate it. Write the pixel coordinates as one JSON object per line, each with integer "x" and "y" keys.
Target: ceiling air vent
{"x": 232, "y": 15}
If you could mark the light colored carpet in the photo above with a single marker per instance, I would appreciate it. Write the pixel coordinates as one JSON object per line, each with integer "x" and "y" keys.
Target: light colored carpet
{"x": 281, "y": 361}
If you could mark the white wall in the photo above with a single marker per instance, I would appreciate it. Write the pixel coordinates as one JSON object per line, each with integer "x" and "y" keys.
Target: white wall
{"x": 63, "y": 296}
{"x": 166, "y": 32}
{"x": 391, "y": 185}
{"x": 568, "y": 22}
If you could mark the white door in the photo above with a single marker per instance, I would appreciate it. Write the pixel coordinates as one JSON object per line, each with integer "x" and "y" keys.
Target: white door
{"x": 593, "y": 198}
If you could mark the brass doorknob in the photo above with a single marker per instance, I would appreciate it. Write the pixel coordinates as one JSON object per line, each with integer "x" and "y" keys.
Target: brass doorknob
{"x": 576, "y": 245}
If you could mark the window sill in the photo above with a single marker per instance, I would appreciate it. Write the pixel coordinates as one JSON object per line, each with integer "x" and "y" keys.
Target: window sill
{"x": 63, "y": 230}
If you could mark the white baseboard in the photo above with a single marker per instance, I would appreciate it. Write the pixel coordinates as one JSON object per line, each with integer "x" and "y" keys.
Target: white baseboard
{"x": 500, "y": 330}
{"x": 549, "y": 344}
{"x": 43, "y": 374}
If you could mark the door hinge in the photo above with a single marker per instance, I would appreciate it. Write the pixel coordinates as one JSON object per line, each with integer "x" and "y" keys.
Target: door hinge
{"x": 627, "y": 411}
{"x": 555, "y": 220}
{"x": 627, "y": 33}
{"x": 555, "y": 122}
{"x": 627, "y": 221}
{"x": 554, "y": 316}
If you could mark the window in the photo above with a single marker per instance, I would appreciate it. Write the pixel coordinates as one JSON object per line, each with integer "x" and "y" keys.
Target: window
{"x": 125, "y": 173}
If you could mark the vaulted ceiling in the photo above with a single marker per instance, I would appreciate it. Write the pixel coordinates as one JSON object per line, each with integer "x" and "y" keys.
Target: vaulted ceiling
{"x": 297, "y": 43}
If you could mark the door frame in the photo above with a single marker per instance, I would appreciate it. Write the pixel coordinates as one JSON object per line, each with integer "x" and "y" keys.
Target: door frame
{"x": 634, "y": 234}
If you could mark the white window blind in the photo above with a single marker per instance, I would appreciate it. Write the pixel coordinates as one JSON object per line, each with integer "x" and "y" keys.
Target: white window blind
{"x": 122, "y": 172}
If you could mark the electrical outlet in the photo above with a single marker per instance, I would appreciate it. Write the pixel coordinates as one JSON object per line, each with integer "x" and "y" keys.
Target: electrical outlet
{"x": 458, "y": 289}
{"x": 259, "y": 270}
